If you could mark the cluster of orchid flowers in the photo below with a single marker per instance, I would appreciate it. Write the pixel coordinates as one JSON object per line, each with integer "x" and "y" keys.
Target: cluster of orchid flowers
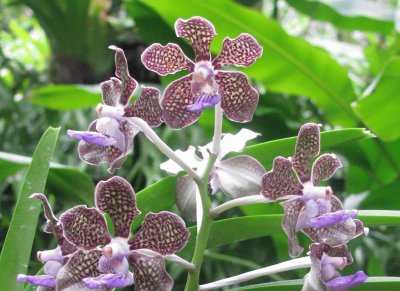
{"x": 87, "y": 256}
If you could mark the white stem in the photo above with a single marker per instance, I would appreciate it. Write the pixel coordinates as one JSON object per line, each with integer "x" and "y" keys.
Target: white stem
{"x": 172, "y": 258}
{"x": 162, "y": 146}
{"x": 217, "y": 129}
{"x": 304, "y": 262}
{"x": 252, "y": 199}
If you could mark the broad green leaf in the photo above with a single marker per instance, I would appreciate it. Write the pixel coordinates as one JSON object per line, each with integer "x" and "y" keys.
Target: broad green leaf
{"x": 380, "y": 109}
{"x": 383, "y": 198}
{"x": 372, "y": 284}
{"x": 227, "y": 231}
{"x": 18, "y": 243}
{"x": 354, "y": 15}
{"x": 62, "y": 180}
{"x": 66, "y": 97}
{"x": 288, "y": 65}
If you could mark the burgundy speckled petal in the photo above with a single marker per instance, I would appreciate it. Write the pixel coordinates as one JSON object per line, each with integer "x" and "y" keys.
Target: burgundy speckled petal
{"x": 317, "y": 250}
{"x": 199, "y": 32}
{"x": 241, "y": 51}
{"x": 279, "y": 182}
{"x": 162, "y": 232}
{"x": 336, "y": 204}
{"x": 85, "y": 227}
{"x": 165, "y": 60}
{"x": 149, "y": 273}
{"x": 176, "y": 97}
{"x": 292, "y": 209}
{"x": 324, "y": 167}
{"x": 121, "y": 71}
{"x": 307, "y": 146}
{"x": 239, "y": 100}
{"x": 117, "y": 198}
{"x": 146, "y": 107}
{"x": 111, "y": 91}
{"x": 81, "y": 265}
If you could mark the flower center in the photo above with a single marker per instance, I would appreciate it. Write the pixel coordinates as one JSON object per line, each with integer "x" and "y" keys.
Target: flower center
{"x": 118, "y": 247}
{"x": 115, "y": 112}
{"x": 314, "y": 192}
{"x": 203, "y": 71}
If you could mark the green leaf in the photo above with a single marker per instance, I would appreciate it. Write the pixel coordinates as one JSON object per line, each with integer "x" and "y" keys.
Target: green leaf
{"x": 355, "y": 15}
{"x": 380, "y": 109}
{"x": 66, "y": 97}
{"x": 372, "y": 283}
{"x": 288, "y": 65}
{"x": 227, "y": 231}
{"x": 58, "y": 181}
{"x": 18, "y": 243}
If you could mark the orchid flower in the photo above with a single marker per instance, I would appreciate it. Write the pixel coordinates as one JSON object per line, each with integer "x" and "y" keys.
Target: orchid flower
{"x": 184, "y": 99}
{"x": 163, "y": 233}
{"x": 314, "y": 210}
{"x": 238, "y": 176}
{"x": 64, "y": 266}
{"x": 109, "y": 139}
{"x": 325, "y": 260}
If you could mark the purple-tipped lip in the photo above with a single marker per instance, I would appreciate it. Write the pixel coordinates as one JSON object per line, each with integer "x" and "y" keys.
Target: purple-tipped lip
{"x": 332, "y": 218}
{"x": 204, "y": 102}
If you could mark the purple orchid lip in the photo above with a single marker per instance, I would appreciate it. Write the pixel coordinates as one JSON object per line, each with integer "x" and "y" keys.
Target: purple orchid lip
{"x": 346, "y": 282}
{"x": 203, "y": 102}
{"x": 92, "y": 137}
{"x": 332, "y": 218}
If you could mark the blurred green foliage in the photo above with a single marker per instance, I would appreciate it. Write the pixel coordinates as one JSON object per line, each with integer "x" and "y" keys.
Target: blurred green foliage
{"x": 330, "y": 62}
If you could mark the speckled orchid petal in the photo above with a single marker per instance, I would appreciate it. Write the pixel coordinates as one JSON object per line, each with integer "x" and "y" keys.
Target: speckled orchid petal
{"x": 149, "y": 272}
{"x": 109, "y": 280}
{"x": 40, "y": 280}
{"x": 51, "y": 220}
{"x": 318, "y": 249}
{"x": 111, "y": 91}
{"x": 203, "y": 102}
{"x": 82, "y": 264}
{"x": 241, "y": 51}
{"x": 330, "y": 218}
{"x": 199, "y": 32}
{"x": 85, "y": 227}
{"x": 292, "y": 209}
{"x": 324, "y": 167}
{"x": 344, "y": 283}
{"x": 121, "y": 71}
{"x": 185, "y": 197}
{"x": 165, "y": 60}
{"x": 117, "y": 198}
{"x": 176, "y": 97}
{"x": 238, "y": 99}
{"x": 95, "y": 154}
{"x": 240, "y": 176}
{"x": 92, "y": 137}
{"x": 146, "y": 107}
{"x": 307, "y": 146}
{"x": 189, "y": 156}
{"x": 162, "y": 232}
{"x": 279, "y": 182}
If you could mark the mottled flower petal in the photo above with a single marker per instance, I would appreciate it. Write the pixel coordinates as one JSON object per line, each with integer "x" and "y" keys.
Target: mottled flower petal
{"x": 95, "y": 154}
{"x": 162, "y": 232}
{"x": 199, "y": 32}
{"x": 111, "y": 91}
{"x": 307, "y": 146}
{"x": 239, "y": 99}
{"x": 241, "y": 51}
{"x": 109, "y": 280}
{"x": 116, "y": 197}
{"x": 92, "y": 137}
{"x": 344, "y": 283}
{"x": 40, "y": 280}
{"x": 165, "y": 60}
{"x": 240, "y": 176}
{"x": 318, "y": 249}
{"x": 121, "y": 71}
{"x": 203, "y": 102}
{"x": 324, "y": 167}
{"x": 176, "y": 97}
{"x": 81, "y": 265}
{"x": 149, "y": 272}
{"x": 185, "y": 197}
{"x": 146, "y": 107}
{"x": 292, "y": 209}
{"x": 279, "y": 182}
{"x": 85, "y": 227}
{"x": 331, "y": 218}
{"x": 51, "y": 220}
{"x": 189, "y": 156}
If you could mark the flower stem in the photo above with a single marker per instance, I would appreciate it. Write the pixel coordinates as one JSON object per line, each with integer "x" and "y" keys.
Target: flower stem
{"x": 163, "y": 147}
{"x": 252, "y": 199}
{"x": 281, "y": 267}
